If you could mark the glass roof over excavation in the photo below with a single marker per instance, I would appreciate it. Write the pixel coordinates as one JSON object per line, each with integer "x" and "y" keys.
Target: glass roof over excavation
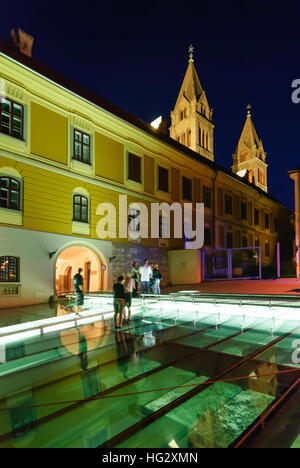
{"x": 188, "y": 371}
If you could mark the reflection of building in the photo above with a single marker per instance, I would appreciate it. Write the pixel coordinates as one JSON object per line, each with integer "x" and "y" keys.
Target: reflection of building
{"x": 65, "y": 150}
{"x": 295, "y": 175}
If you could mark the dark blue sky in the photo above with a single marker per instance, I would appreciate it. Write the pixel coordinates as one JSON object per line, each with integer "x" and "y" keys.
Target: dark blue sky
{"x": 135, "y": 55}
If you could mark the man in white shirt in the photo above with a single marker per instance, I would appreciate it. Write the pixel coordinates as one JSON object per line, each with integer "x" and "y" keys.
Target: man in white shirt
{"x": 146, "y": 273}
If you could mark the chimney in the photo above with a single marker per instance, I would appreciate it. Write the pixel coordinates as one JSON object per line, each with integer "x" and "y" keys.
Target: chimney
{"x": 163, "y": 126}
{"x": 160, "y": 124}
{"x": 22, "y": 41}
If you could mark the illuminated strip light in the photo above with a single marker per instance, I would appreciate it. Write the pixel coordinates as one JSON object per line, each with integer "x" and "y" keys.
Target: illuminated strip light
{"x": 19, "y": 336}
{"x": 31, "y": 325}
{"x": 14, "y": 329}
{"x": 63, "y": 326}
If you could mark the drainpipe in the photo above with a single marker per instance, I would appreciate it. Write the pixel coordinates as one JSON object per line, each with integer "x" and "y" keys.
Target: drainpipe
{"x": 295, "y": 176}
{"x": 214, "y": 210}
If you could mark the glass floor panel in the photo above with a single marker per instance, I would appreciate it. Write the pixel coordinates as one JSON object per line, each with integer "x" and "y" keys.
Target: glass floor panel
{"x": 55, "y": 385}
{"x": 250, "y": 341}
{"x": 212, "y": 419}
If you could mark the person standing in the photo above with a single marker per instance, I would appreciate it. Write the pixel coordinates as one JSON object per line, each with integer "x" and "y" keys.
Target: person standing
{"x": 129, "y": 287}
{"x": 146, "y": 273}
{"x": 119, "y": 301}
{"x": 157, "y": 278}
{"x": 78, "y": 287}
{"x": 135, "y": 277}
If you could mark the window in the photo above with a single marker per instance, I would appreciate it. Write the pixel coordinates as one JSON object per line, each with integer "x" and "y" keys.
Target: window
{"x": 267, "y": 221}
{"x": 186, "y": 188}
{"x": 275, "y": 224}
{"x": 80, "y": 209}
{"x": 207, "y": 196}
{"x": 207, "y": 236}
{"x": 244, "y": 241}
{"x": 244, "y": 156}
{"x": 133, "y": 220}
{"x": 189, "y": 137}
{"x": 134, "y": 168}
{"x": 256, "y": 217}
{"x": 82, "y": 147}
{"x": 261, "y": 176}
{"x": 9, "y": 193}
{"x": 228, "y": 204}
{"x": 229, "y": 240}
{"x": 163, "y": 227}
{"x": 11, "y": 118}
{"x": 163, "y": 179}
{"x": 206, "y": 140}
{"x": 250, "y": 176}
{"x": 183, "y": 114}
{"x": 267, "y": 249}
{"x": 9, "y": 269}
{"x": 244, "y": 210}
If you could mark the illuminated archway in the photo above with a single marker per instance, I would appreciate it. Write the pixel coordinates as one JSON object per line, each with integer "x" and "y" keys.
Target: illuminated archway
{"x": 70, "y": 260}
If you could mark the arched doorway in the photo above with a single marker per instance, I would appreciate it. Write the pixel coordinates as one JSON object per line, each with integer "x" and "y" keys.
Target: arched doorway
{"x": 68, "y": 263}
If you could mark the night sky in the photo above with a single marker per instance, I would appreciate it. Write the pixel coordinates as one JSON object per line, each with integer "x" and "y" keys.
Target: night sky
{"x": 136, "y": 55}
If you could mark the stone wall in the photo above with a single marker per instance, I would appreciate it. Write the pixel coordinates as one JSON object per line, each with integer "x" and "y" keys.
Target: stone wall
{"x": 126, "y": 254}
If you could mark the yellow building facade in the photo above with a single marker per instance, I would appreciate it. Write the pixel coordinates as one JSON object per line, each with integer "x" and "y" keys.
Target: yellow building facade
{"x": 64, "y": 151}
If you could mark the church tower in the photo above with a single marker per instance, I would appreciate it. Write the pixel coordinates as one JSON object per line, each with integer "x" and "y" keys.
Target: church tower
{"x": 191, "y": 119}
{"x": 249, "y": 158}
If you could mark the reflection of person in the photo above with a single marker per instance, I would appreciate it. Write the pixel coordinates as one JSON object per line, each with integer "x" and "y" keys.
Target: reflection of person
{"x": 157, "y": 278}
{"x": 125, "y": 347}
{"x": 119, "y": 301}
{"x": 146, "y": 273}
{"x": 135, "y": 277}
{"x": 83, "y": 357}
{"x": 78, "y": 286}
{"x": 129, "y": 286}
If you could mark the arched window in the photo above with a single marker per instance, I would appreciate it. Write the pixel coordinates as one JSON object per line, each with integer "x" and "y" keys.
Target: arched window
{"x": 10, "y": 190}
{"x": 80, "y": 208}
{"x": 189, "y": 137}
{"x": 9, "y": 269}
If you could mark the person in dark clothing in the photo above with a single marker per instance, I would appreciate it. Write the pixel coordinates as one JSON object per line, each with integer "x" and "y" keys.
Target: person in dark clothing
{"x": 78, "y": 287}
{"x": 157, "y": 278}
{"x": 119, "y": 301}
{"x": 135, "y": 277}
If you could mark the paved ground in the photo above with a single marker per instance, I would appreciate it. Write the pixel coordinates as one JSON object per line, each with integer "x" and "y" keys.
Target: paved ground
{"x": 278, "y": 286}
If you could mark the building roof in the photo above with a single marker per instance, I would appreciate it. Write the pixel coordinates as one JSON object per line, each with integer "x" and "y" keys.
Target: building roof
{"x": 10, "y": 51}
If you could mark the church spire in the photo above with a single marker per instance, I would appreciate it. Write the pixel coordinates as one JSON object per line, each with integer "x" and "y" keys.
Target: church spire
{"x": 192, "y": 117}
{"x": 249, "y": 157}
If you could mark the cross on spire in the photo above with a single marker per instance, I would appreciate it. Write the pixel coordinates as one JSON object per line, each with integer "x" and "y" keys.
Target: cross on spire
{"x": 248, "y": 109}
{"x": 191, "y": 50}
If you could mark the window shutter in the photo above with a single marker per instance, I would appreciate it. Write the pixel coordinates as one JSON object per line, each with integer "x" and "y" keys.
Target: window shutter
{"x": 261, "y": 219}
{"x": 196, "y": 190}
{"x": 236, "y": 207}
{"x": 250, "y": 213}
{"x": 272, "y": 223}
{"x": 251, "y": 241}
{"x": 220, "y": 202}
{"x": 175, "y": 185}
{"x": 221, "y": 236}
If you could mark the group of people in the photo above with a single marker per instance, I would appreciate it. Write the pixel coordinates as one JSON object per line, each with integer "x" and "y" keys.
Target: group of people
{"x": 148, "y": 275}
{"x": 126, "y": 288}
